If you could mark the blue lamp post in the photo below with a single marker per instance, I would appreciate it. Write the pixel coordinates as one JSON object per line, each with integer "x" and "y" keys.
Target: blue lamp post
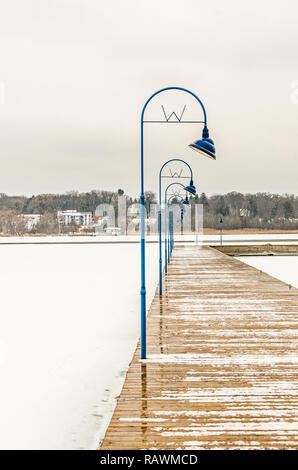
{"x": 206, "y": 147}
{"x": 185, "y": 201}
{"x": 171, "y": 233}
{"x": 191, "y": 188}
{"x": 220, "y": 228}
{"x": 171, "y": 227}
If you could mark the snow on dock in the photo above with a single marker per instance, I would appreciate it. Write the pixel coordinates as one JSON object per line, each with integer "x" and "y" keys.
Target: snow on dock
{"x": 222, "y": 361}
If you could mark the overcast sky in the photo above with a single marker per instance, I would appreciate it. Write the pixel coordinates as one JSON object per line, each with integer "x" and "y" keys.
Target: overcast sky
{"x": 77, "y": 73}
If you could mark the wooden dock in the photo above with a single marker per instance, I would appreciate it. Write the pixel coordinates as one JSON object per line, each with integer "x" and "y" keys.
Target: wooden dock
{"x": 222, "y": 361}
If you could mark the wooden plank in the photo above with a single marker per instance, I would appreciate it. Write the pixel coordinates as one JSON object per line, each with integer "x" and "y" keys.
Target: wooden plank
{"x": 222, "y": 361}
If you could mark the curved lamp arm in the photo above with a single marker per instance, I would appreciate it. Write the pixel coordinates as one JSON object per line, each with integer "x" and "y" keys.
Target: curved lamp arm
{"x": 142, "y": 122}
{"x": 172, "y": 184}
{"x": 176, "y": 88}
{"x": 160, "y": 173}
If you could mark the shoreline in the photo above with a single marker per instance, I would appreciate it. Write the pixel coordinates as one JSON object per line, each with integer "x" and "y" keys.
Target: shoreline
{"x": 206, "y": 231}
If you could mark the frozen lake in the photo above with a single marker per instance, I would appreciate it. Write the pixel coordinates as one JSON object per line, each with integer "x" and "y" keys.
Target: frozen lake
{"x": 68, "y": 328}
{"x": 69, "y": 325}
{"x": 284, "y": 268}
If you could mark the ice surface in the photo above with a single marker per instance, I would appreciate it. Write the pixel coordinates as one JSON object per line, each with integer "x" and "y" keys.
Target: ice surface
{"x": 284, "y": 268}
{"x": 68, "y": 328}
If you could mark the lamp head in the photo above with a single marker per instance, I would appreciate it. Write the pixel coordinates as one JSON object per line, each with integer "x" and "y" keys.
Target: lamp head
{"x": 186, "y": 201}
{"x": 205, "y": 146}
{"x": 191, "y": 189}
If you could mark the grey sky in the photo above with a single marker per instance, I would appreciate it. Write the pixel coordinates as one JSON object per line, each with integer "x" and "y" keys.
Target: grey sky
{"x": 77, "y": 73}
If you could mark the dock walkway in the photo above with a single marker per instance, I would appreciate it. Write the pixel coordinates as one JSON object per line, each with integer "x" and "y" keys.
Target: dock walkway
{"x": 222, "y": 361}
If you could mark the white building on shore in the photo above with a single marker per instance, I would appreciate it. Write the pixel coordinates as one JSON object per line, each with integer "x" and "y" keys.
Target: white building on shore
{"x": 74, "y": 217}
{"x": 31, "y": 220}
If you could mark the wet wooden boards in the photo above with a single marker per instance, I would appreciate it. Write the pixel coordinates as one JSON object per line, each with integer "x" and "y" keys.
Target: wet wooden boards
{"x": 222, "y": 361}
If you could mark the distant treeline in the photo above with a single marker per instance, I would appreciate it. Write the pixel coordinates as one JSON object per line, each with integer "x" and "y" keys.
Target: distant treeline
{"x": 43, "y": 203}
{"x": 259, "y": 211}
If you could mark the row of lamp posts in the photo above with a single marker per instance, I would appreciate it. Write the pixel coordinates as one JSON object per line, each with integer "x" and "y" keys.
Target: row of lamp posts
{"x": 205, "y": 146}
{"x": 170, "y": 239}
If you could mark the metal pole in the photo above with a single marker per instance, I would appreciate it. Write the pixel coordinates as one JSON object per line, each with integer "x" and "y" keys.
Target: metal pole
{"x": 160, "y": 250}
{"x": 171, "y": 215}
{"x": 170, "y": 225}
{"x": 173, "y": 234}
{"x": 166, "y": 223}
{"x": 160, "y": 239}
{"x": 166, "y": 243}
{"x": 143, "y": 259}
{"x": 169, "y": 236}
{"x": 172, "y": 220}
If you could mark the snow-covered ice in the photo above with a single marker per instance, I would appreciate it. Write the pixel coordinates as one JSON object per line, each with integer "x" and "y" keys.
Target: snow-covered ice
{"x": 68, "y": 328}
{"x": 284, "y": 268}
{"x": 69, "y": 325}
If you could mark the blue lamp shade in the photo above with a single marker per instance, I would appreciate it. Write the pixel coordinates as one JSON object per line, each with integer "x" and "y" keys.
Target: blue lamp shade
{"x": 191, "y": 189}
{"x": 205, "y": 146}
